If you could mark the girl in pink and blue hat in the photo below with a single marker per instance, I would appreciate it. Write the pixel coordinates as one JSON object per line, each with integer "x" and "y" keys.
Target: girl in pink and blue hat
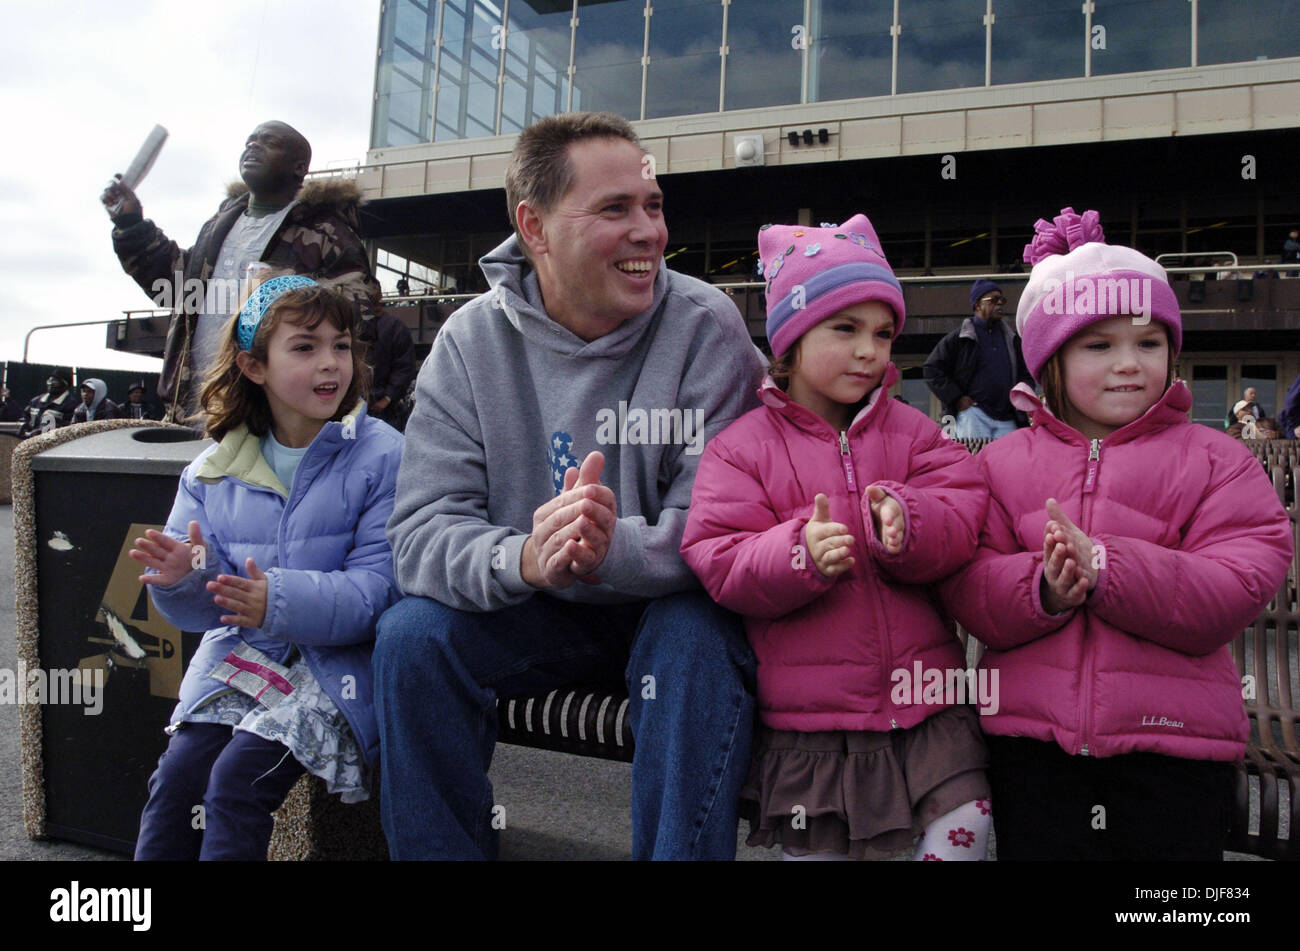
{"x": 823, "y": 517}
{"x": 1125, "y": 548}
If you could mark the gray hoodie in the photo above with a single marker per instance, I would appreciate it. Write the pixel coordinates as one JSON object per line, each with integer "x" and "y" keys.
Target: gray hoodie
{"x": 508, "y": 399}
{"x": 85, "y": 413}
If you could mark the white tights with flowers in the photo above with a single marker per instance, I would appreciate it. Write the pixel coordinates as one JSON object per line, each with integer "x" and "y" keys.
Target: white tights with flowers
{"x": 958, "y": 836}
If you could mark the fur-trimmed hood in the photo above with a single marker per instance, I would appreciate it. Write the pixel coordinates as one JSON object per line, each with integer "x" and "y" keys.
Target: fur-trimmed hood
{"x": 337, "y": 192}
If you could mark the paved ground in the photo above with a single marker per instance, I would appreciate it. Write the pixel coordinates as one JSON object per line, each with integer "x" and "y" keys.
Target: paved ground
{"x": 557, "y": 806}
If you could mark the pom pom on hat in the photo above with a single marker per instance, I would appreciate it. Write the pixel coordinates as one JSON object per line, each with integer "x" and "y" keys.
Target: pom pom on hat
{"x": 813, "y": 273}
{"x": 1078, "y": 280}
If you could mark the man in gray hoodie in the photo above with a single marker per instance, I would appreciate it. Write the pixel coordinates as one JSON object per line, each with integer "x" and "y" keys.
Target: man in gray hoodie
{"x": 549, "y": 460}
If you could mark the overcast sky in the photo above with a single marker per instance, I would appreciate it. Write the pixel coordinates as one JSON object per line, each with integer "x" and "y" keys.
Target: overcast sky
{"x": 82, "y": 84}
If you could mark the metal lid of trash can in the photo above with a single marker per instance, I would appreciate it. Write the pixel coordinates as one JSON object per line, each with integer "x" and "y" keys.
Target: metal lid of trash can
{"x": 149, "y": 450}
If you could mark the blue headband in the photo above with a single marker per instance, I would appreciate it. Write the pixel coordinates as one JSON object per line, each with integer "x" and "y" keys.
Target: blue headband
{"x": 267, "y": 293}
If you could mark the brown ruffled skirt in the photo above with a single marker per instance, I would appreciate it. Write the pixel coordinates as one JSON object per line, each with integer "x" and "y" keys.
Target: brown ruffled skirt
{"x": 862, "y": 794}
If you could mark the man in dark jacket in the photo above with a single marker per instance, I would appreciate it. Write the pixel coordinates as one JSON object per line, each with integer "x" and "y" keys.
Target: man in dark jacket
{"x": 273, "y": 218}
{"x": 138, "y": 405}
{"x": 10, "y": 411}
{"x": 973, "y": 369}
{"x": 95, "y": 404}
{"x": 53, "y": 408}
{"x": 392, "y": 362}
{"x": 1291, "y": 250}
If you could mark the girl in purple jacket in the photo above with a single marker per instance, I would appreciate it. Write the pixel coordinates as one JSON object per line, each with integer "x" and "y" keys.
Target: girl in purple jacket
{"x": 823, "y": 517}
{"x": 1125, "y": 548}
{"x": 276, "y": 547}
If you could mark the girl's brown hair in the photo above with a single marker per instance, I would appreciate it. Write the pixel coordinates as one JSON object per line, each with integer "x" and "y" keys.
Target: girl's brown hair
{"x": 780, "y": 367}
{"x": 230, "y": 399}
{"x": 1052, "y": 379}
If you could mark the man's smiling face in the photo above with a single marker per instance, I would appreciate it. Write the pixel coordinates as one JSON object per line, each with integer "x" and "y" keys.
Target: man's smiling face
{"x": 598, "y": 250}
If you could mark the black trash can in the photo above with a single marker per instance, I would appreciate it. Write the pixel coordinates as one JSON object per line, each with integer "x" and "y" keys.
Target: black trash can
{"x": 94, "y": 496}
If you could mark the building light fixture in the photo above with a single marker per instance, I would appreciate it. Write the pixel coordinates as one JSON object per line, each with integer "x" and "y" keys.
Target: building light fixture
{"x": 823, "y": 136}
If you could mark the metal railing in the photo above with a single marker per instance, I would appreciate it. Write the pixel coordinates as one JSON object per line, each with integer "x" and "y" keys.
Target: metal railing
{"x": 1197, "y": 254}
{"x": 932, "y": 279}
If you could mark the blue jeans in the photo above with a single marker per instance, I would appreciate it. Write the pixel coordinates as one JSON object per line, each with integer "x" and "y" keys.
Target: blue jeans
{"x": 974, "y": 423}
{"x": 439, "y": 671}
{"x": 239, "y": 778}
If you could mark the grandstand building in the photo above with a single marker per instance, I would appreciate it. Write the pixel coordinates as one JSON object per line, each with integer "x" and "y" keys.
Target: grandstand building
{"x": 953, "y": 124}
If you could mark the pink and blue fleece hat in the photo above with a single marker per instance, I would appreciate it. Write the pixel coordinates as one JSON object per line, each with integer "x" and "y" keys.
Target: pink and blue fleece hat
{"x": 1078, "y": 279}
{"x": 813, "y": 273}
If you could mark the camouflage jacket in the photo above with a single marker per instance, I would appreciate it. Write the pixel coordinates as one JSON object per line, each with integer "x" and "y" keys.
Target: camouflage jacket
{"x": 319, "y": 238}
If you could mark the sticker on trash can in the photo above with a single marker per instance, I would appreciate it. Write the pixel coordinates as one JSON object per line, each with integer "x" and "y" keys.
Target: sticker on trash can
{"x": 59, "y": 542}
{"x": 131, "y": 633}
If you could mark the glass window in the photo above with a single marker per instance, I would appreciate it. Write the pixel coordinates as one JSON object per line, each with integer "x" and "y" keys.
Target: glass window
{"x": 765, "y": 53}
{"x": 417, "y": 23}
{"x": 537, "y": 64}
{"x": 607, "y": 57}
{"x": 404, "y": 79}
{"x": 1035, "y": 40}
{"x": 852, "y": 51}
{"x": 1140, "y": 34}
{"x": 467, "y": 71}
{"x": 1230, "y": 31}
{"x": 1209, "y": 394}
{"x": 406, "y": 117}
{"x": 914, "y": 390}
{"x": 941, "y": 45}
{"x": 685, "y": 68}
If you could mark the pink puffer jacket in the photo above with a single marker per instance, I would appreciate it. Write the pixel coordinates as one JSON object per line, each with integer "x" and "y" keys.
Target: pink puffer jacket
{"x": 1191, "y": 544}
{"x": 828, "y": 649}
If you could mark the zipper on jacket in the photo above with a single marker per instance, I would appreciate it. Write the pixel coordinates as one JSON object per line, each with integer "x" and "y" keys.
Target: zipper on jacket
{"x": 1085, "y": 513}
{"x": 846, "y": 460}
{"x": 1094, "y": 463}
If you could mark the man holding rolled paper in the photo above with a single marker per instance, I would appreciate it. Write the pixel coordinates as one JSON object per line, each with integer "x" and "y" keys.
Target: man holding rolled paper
{"x": 270, "y": 217}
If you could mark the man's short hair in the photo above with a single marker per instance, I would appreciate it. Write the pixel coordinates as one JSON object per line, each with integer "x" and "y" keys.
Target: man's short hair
{"x": 540, "y": 172}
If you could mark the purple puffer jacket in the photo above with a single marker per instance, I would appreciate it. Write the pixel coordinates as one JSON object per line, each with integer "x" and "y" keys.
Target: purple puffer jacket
{"x": 829, "y": 650}
{"x": 1191, "y": 544}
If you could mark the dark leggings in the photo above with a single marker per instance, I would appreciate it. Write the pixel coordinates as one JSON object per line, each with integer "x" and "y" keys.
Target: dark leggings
{"x": 213, "y": 794}
{"x": 1049, "y": 805}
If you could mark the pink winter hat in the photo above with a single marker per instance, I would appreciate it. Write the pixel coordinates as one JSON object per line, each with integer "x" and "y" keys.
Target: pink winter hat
{"x": 812, "y": 273}
{"x": 1078, "y": 279}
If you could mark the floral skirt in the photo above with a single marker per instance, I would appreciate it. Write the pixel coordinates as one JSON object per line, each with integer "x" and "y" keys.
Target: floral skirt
{"x": 306, "y": 720}
{"x": 862, "y": 794}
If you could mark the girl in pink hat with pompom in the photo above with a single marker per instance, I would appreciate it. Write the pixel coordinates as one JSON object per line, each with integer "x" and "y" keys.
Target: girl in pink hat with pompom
{"x": 822, "y": 517}
{"x": 1125, "y": 548}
